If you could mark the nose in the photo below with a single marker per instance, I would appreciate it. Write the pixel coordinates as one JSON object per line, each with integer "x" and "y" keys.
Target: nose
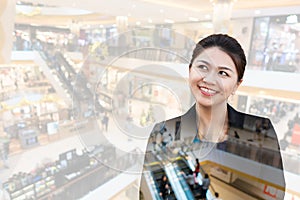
{"x": 210, "y": 78}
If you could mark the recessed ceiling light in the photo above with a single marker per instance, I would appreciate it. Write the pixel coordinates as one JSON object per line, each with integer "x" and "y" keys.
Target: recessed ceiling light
{"x": 138, "y": 23}
{"x": 161, "y": 11}
{"x": 150, "y": 20}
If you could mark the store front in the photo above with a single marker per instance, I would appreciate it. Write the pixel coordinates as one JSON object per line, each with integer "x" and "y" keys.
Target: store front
{"x": 275, "y": 43}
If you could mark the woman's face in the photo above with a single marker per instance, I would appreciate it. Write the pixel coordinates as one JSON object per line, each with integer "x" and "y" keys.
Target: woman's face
{"x": 213, "y": 77}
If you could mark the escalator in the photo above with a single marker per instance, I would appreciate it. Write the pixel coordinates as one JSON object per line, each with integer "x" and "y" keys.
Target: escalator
{"x": 81, "y": 84}
{"x": 184, "y": 163}
{"x": 183, "y": 166}
{"x": 43, "y": 59}
{"x": 79, "y": 87}
{"x": 64, "y": 77}
{"x": 155, "y": 167}
{"x": 158, "y": 173}
{"x": 158, "y": 166}
{"x": 62, "y": 60}
{"x": 178, "y": 183}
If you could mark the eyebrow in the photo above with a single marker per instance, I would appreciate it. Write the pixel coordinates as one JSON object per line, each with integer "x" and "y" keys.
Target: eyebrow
{"x": 219, "y": 67}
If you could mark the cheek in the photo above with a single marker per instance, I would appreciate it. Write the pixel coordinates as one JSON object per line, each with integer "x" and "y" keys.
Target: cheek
{"x": 232, "y": 88}
{"x": 228, "y": 86}
{"x": 194, "y": 76}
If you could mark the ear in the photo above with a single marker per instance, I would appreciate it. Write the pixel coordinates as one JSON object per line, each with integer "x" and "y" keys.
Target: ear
{"x": 236, "y": 86}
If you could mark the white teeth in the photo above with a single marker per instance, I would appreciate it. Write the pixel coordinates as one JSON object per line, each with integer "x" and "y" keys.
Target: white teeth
{"x": 208, "y": 90}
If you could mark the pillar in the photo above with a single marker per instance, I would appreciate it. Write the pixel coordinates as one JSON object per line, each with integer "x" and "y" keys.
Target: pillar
{"x": 222, "y": 10}
{"x": 7, "y": 21}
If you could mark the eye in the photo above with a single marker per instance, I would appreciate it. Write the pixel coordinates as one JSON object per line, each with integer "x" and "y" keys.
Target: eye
{"x": 223, "y": 73}
{"x": 202, "y": 67}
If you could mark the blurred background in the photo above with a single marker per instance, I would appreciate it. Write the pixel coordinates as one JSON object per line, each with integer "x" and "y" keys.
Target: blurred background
{"x": 83, "y": 82}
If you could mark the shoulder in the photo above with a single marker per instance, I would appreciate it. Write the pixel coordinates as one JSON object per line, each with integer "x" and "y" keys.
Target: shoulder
{"x": 171, "y": 122}
{"x": 239, "y": 119}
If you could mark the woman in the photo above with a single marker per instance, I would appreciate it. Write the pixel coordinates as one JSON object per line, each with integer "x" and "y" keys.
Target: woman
{"x": 164, "y": 187}
{"x": 197, "y": 168}
{"x": 215, "y": 72}
{"x": 204, "y": 186}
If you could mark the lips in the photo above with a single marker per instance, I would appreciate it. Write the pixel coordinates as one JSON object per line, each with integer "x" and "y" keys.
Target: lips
{"x": 207, "y": 91}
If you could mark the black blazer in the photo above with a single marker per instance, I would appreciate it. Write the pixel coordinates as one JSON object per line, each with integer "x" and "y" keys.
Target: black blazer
{"x": 251, "y": 141}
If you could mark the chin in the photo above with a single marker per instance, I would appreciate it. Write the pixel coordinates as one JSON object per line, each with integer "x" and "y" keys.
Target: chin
{"x": 204, "y": 103}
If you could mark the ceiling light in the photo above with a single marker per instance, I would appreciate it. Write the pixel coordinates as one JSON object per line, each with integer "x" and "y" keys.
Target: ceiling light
{"x": 161, "y": 11}
{"x": 138, "y": 23}
{"x": 150, "y": 20}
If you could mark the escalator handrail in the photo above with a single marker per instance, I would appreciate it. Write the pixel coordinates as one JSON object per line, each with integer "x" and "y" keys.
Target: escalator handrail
{"x": 152, "y": 187}
{"x": 191, "y": 165}
{"x": 174, "y": 182}
{"x": 183, "y": 182}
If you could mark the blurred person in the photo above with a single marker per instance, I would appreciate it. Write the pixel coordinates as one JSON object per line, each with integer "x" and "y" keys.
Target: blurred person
{"x": 216, "y": 71}
{"x": 197, "y": 168}
{"x": 190, "y": 178}
{"x": 166, "y": 139}
{"x": 204, "y": 186}
{"x": 105, "y": 121}
{"x": 164, "y": 188}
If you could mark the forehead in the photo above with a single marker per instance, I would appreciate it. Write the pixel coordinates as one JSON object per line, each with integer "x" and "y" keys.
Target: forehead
{"x": 215, "y": 56}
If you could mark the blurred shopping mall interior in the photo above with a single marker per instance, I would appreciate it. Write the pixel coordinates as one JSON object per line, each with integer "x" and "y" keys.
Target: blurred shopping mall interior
{"x": 83, "y": 83}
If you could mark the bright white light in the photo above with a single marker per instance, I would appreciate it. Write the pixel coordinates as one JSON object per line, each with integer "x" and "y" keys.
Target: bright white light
{"x": 257, "y": 12}
{"x": 292, "y": 19}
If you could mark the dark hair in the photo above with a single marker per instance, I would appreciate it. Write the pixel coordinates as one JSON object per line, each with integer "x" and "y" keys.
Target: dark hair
{"x": 216, "y": 194}
{"x": 227, "y": 44}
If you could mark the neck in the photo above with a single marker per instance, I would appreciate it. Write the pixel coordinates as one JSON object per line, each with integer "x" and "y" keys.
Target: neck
{"x": 212, "y": 121}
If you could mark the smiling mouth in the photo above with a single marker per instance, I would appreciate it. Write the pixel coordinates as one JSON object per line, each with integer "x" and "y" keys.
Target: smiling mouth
{"x": 207, "y": 91}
